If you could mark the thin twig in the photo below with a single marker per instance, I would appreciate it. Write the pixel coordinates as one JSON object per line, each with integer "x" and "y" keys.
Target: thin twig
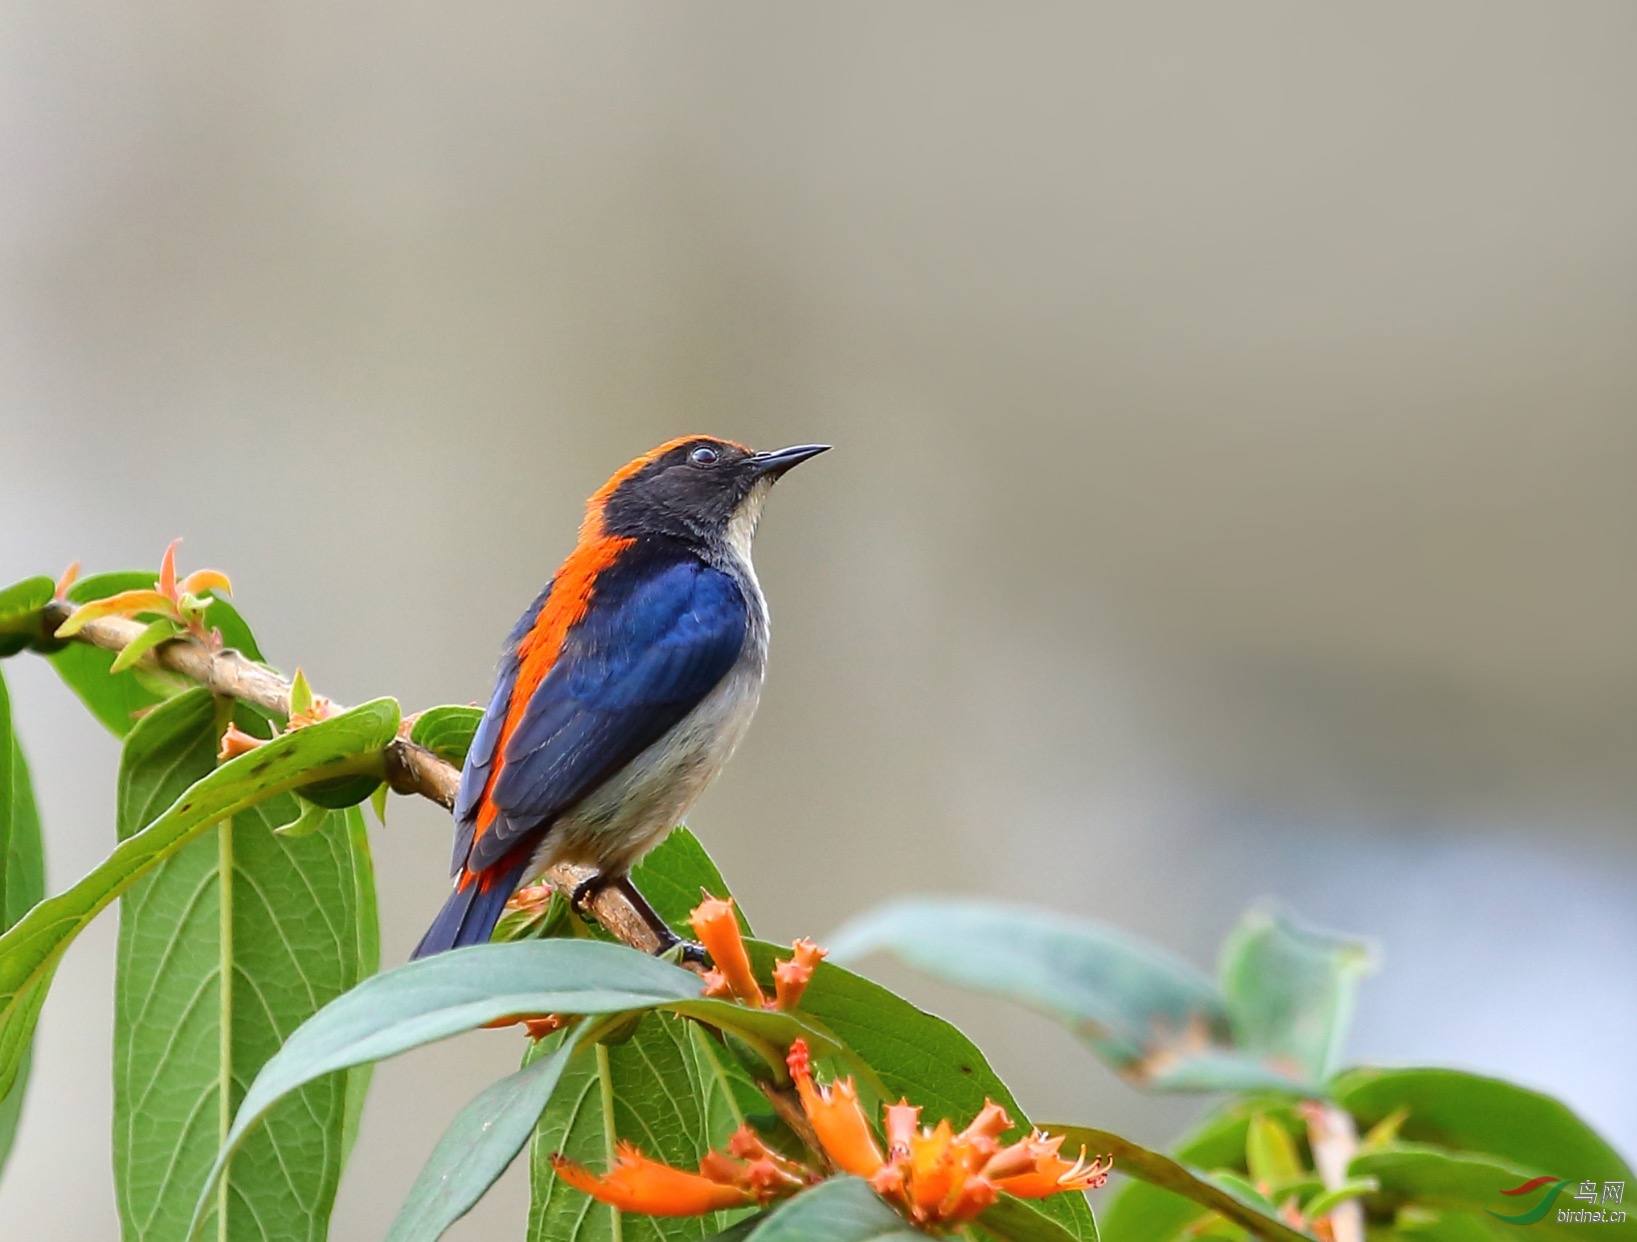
{"x": 410, "y": 768}
{"x": 1333, "y": 1138}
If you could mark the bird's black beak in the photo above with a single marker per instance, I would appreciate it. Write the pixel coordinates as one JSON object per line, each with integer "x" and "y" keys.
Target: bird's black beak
{"x": 777, "y": 462}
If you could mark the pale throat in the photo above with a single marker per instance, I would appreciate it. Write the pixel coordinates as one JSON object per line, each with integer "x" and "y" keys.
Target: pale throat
{"x": 741, "y": 529}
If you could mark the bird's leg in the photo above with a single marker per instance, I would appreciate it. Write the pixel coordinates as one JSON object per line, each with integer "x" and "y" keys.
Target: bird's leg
{"x": 668, "y": 939}
{"x": 584, "y": 890}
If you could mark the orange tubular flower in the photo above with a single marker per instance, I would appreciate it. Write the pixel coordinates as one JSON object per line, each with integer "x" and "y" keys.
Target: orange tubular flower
{"x": 321, "y": 709}
{"x": 790, "y": 978}
{"x": 717, "y": 927}
{"x": 236, "y": 742}
{"x": 1044, "y": 1172}
{"x": 938, "y": 1176}
{"x": 638, "y": 1184}
{"x": 935, "y": 1175}
{"x": 839, "y": 1122}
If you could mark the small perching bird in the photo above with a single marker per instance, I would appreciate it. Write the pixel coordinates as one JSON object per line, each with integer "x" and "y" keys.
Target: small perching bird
{"x": 624, "y": 687}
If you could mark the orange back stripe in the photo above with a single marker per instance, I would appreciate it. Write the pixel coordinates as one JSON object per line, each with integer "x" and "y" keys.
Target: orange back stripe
{"x": 570, "y": 596}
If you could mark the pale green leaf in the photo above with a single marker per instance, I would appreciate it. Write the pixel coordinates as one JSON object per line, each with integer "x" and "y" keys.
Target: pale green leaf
{"x": 474, "y": 1151}
{"x": 1136, "y": 1006}
{"x": 1290, "y": 989}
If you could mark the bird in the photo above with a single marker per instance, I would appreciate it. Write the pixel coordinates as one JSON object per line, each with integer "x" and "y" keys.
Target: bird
{"x": 624, "y": 687}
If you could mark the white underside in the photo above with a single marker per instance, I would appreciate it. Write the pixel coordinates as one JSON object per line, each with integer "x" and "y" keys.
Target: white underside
{"x": 639, "y": 804}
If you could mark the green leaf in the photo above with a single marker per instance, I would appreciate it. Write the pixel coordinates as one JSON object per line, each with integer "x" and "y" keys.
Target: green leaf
{"x": 1470, "y": 1112}
{"x": 301, "y": 694}
{"x": 1290, "y": 990}
{"x": 119, "y": 699}
{"x": 342, "y": 792}
{"x": 1018, "y": 1220}
{"x": 310, "y": 818}
{"x": 156, "y": 633}
{"x": 840, "y": 1209}
{"x": 474, "y": 1151}
{"x": 274, "y": 917}
{"x": 768, "y": 1027}
{"x": 1157, "y": 1169}
{"x": 672, "y": 875}
{"x": 1424, "y": 1225}
{"x": 30, "y": 950}
{"x": 1270, "y": 1152}
{"x": 1241, "y": 1188}
{"x": 1327, "y": 1202}
{"x": 1145, "y": 1212}
{"x": 1146, "y": 1013}
{"x": 460, "y": 990}
{"x": 366, "y": 927}
{"x": 1432, "y": 1177}
{"x": 741, "y": 1230}
{"x": 652, "y": 1090}
{"x": 446, "y": 731}
{"x": 913, "y": 1054}
{"x": 22, "y": 873}
{"x": 20, "y": 605}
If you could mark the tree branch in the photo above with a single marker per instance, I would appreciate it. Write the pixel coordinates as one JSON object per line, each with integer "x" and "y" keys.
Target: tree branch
{"x": 410, "y": 769}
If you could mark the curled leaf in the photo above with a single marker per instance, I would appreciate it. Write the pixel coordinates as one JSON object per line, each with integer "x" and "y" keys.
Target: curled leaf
{"x": 167, "y": 571}
{"x": 126, "y": 603}
{"x": 308, "y": 822}
{"x": 67, "y": 580}
{"x": 202, "y": 580}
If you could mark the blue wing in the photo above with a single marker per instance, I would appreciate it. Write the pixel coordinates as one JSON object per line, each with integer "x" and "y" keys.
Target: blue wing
{"x": 656, "y": 639}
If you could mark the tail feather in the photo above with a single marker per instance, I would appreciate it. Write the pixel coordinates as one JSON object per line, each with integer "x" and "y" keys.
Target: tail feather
{"x": 470, "y": 915}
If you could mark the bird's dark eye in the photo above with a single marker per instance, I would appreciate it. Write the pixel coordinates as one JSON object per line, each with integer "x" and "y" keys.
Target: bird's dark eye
{"x": 704, "y": 455}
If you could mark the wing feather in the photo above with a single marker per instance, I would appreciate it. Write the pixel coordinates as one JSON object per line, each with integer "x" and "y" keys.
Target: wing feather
{"x": 653, "y": 643}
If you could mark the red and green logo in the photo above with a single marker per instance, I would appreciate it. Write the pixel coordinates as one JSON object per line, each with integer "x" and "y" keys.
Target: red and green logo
{"x": 1555, "y": 1187}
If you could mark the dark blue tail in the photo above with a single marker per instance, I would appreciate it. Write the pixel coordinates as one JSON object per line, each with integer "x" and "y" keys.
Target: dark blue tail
{"x": 470, "y": 914}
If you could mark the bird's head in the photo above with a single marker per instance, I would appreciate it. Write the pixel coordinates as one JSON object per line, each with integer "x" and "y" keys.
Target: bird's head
{"x": 696, "y": 488}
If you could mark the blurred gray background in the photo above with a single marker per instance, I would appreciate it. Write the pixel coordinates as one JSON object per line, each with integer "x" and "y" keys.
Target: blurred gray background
{"x": 1236, "y": 419}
